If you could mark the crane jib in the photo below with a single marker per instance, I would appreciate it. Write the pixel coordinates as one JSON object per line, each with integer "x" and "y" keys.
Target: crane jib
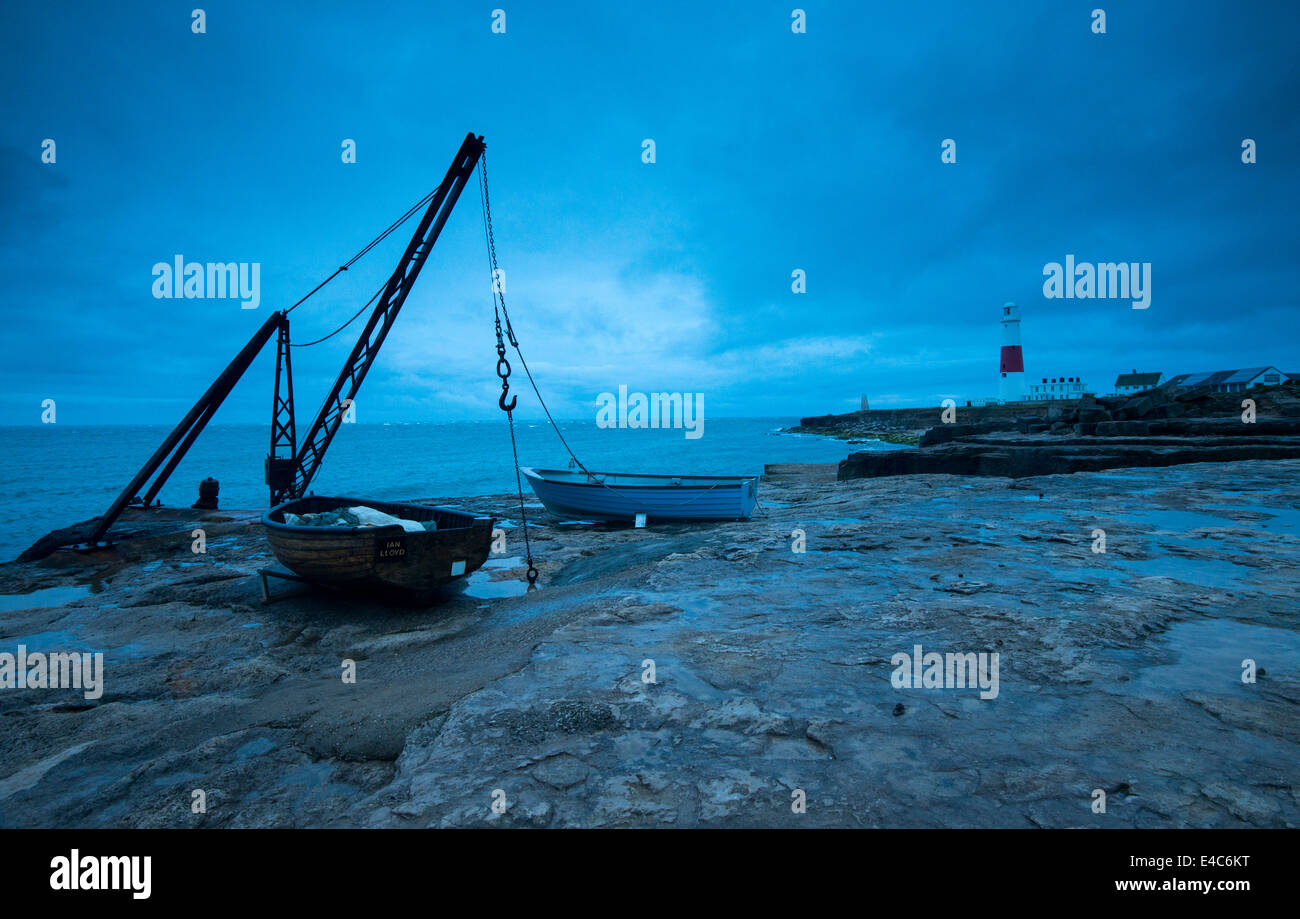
{"x": 362, "y": 358}
{"x": 290, "y": 475}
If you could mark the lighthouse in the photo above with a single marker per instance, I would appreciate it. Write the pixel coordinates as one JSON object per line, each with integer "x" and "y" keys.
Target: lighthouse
{"x": 1011, "y": 385}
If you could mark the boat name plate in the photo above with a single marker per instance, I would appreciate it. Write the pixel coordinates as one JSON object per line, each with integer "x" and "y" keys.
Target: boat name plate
{"x": 390, "y": 548}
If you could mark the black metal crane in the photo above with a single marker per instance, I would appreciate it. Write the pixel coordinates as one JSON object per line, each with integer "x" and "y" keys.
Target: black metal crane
{"x": 289, "y": 476}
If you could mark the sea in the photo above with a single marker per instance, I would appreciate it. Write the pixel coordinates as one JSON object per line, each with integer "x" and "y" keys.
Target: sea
{"x": 59, "y": 475}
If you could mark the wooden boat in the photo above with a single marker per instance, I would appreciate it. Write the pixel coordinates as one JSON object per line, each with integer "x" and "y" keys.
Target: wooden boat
{"x": 388, "y": 560}
{"x": 622, "y": 496}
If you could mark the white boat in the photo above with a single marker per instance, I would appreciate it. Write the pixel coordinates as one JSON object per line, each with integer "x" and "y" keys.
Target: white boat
{"x": 622, "y": 495}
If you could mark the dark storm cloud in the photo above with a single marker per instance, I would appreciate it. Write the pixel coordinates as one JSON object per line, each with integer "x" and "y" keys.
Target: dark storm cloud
{"x": 775, "y": 152}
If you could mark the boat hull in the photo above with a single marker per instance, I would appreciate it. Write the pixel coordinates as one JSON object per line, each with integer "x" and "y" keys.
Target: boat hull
{"x": 622, "y": 496}
{"x": 382, "y": 560}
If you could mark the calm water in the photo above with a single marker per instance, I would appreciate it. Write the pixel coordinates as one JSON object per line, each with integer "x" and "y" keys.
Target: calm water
{"x": 58, "y": 475}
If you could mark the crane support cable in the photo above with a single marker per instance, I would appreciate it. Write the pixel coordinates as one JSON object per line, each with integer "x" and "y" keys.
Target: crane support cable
{"x": 503, "y": 366}
{"x": 355, "y": 317}
{"x": 370, "y": 245}
{"x": 492, "y": 257}
{"x": 499, "y": 302}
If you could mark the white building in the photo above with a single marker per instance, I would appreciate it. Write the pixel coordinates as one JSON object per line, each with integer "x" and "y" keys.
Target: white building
{"x": 1056, "y": 388}
{"x": 1129, "y": 383}
{"x": 1233, "y": 380}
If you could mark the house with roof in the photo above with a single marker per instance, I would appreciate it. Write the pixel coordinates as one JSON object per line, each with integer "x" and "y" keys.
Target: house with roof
{"x": 1233, "y": 380}
{"x": 1128, "y": 383}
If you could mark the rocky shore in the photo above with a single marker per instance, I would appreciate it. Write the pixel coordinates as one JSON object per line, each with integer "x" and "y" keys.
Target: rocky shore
{"x": 907, "y": 425}
{"x": 1020, "y": 456}
{"x": 699, "y": 675}
{"x": 1161, "y": 427}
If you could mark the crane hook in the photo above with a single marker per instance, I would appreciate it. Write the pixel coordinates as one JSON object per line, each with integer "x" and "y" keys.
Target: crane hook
{"x": 503, "y": 371}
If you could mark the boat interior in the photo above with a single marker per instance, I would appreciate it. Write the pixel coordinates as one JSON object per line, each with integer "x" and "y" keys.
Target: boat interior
{"x": 445, "y": 518}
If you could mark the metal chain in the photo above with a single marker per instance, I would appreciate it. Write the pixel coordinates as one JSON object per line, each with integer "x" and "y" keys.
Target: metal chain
{"x": 503, "y": 365}
{"x": 514, "y": 342}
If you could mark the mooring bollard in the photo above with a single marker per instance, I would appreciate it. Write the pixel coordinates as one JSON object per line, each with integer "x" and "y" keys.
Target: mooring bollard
{"x": 208, "y": 489}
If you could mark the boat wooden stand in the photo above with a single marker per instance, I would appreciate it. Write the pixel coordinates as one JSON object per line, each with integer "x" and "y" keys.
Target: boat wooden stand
{"x": 283, "y": 574}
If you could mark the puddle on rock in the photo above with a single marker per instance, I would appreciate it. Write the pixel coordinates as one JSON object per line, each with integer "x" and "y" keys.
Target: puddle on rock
{"x": 1209, "y": 656}
{"x": 1201, "y": 572}
{"x": 481, "y": 585}
{"x": 49, "y": 596}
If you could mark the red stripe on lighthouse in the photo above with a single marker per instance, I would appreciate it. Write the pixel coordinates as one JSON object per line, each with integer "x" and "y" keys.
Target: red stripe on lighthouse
{"x": 1012, "y": 360}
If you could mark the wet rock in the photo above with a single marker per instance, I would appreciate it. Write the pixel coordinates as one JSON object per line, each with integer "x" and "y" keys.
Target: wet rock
{"x": 560, "y": 771}
{"x": 1058, "y": 456}
{"x": 1122, "y": 429}
{"x": 945, "y": 433}
{"x": 768, "y": 678}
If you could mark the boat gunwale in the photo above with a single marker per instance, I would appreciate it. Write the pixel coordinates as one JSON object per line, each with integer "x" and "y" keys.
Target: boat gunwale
{"x": 716, "y": 480}
{"x": 474, "y": 520}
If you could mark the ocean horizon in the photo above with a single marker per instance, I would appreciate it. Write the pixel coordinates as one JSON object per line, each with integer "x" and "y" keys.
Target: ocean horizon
{"x": 62, "y": 474}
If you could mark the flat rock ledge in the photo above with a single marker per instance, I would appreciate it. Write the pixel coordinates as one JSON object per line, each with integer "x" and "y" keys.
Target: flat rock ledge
{"x": 1017, "y": 456}
{"x": 701, "y": 676}
{"x": 1165, "y": 426}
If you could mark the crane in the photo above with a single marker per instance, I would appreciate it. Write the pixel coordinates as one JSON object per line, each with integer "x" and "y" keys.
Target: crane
{"x": 290, "y": 467}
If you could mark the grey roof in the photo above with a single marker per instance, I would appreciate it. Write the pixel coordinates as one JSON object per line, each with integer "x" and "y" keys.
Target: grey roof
{"x": 1137, "y": 379}
{"x": 1190, "y": 379}
{"x": 1220, "y": 377}
{"x": 1245, "y": 376}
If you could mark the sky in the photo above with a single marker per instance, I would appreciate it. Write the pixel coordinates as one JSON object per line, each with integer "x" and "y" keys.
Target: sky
{"x": 775, "y": 151}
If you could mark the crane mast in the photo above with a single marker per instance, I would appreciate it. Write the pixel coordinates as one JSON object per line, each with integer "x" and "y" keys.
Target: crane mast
{"x": 289, "y": 476}
{"x": 307, "y": 461}
{"x": 173, "y": 449}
